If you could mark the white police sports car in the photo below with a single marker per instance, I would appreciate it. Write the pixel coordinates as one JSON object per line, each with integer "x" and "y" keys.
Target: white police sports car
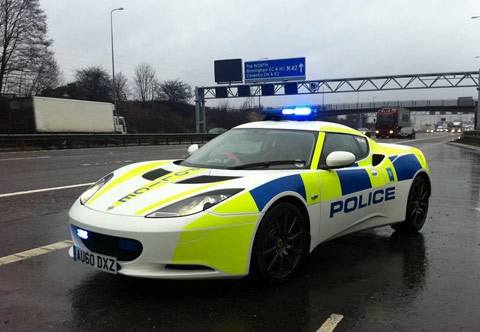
{"x": 254, "y": 200}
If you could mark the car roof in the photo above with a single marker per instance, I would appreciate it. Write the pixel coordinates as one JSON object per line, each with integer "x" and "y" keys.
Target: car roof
{"x": 300, "y": 125}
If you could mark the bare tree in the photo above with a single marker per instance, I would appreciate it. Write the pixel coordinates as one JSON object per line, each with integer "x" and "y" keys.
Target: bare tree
{"x": 45, "y": 74}
{"x": 144, "y": 81}
{"x": 26, "y": 63}
{"x": 121, "y": 86}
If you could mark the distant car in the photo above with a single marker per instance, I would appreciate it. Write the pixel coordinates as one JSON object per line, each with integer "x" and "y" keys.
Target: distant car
{"x": 406, "y": 132}
{"x": 365, "y": 131}
{"x": 217, "y": 131}
{"x": 256, "y": 199}
{"x": 429, "y": 130}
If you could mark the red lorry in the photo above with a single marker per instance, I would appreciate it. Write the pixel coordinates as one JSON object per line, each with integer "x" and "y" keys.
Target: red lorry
{"x": 391, "y": 120}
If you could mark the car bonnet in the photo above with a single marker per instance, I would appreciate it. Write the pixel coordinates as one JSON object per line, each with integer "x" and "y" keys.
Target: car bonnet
{"x": 145, "y": 188}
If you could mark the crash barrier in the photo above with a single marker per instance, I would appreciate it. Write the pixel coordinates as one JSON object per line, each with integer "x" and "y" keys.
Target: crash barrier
{"x": 15, "y": 142}
{"x": 470, "y": 137}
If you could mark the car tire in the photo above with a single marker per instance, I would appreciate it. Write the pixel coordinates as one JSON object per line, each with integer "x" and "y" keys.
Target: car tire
{"x": 280, "y": 244}
{"x": 417, "y": 207}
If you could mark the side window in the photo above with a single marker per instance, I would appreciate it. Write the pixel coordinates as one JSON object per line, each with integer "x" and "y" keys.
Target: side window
{"x": 362, "y": 146}
{"x": 357, "y": 145}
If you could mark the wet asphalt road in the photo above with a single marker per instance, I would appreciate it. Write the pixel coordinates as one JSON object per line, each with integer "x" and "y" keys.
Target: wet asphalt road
{"x": 377, "y": 280}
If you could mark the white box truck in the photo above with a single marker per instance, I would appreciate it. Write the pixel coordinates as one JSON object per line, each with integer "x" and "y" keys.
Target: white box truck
{"x": 457, "y": 126}
{"x": 35, "y": 115}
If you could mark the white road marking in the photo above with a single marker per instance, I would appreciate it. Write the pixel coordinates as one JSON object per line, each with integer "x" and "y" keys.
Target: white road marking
{"x": 35, "y": 252}
{"x": 182, "y": 149}
{"x": 433, "y": 145}
{"x": 109, "y": 163}
{"x": 45, "y": 189}
{"x": 25, "y": 158}
{"x": 330, "y": 323}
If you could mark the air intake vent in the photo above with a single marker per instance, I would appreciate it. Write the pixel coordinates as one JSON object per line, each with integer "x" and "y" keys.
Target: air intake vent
{"x": 155, "y": 174}
{"x": 207, "y": 179}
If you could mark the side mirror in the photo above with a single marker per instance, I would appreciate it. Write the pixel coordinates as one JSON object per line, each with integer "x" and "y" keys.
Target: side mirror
{"x": 339, "y": 159}
{"x": 192, "y": 148}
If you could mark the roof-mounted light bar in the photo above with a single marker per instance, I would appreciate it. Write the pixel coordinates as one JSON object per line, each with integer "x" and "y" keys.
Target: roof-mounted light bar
{"x": 296, "y": 113}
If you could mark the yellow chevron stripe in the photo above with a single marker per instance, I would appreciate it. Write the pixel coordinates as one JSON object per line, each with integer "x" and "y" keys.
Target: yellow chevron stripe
{"x": 127, "y": 176}
{"x": 160, "y": 182}
{"x": 242, "y": 203}
{"x": 317, "y": 151}
{"x": 330, "y": 187}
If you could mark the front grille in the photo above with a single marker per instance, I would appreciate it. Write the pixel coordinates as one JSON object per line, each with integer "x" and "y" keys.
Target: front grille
{"x": 122, "y": 248}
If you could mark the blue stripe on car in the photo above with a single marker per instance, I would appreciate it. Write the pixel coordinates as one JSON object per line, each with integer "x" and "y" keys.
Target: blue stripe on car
{"x": 353, "y": 180}
{"x": 263, "y": 194}
{"x": 406, "y": 166}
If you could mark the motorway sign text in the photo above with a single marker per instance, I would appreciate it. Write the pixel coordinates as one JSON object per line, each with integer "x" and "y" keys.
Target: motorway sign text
{"x": 274, "y": 70}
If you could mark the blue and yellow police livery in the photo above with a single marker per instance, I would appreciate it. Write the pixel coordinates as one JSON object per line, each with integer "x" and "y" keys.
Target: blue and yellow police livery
{"x": 254, "y": 200}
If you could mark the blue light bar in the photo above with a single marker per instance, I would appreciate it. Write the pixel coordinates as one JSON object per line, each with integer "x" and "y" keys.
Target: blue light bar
{"x": 296, "y": 113}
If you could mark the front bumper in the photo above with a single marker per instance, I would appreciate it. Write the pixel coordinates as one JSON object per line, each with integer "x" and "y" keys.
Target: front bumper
{"x": 168, "y": 248}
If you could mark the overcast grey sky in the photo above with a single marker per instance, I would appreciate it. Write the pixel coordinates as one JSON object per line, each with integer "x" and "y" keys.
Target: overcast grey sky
{"x": 339, "y": 39}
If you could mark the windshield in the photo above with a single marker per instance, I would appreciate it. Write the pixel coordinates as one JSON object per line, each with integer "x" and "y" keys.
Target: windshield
{"x": 381, "y": 118}
{"x": 250, "y": 148}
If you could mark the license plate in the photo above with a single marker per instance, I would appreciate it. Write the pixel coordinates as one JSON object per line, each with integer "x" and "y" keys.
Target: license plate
{"x": 97, "y": 261}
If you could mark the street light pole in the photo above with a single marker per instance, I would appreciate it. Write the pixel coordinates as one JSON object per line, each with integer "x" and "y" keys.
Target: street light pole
{"x": 260, "y": 91}
{"x": 477, "y": 113}
{"x": 113, "y": 63}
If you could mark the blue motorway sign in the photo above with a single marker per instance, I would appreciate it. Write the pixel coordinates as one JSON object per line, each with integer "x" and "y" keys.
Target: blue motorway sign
{"x": 274, "y": 70}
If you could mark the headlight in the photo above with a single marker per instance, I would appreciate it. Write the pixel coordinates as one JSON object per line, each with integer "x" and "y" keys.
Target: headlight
{"x": 194, "y": 204}
{"x": 94, "y": 188}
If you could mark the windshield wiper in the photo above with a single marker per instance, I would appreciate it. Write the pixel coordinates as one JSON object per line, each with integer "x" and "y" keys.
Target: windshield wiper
{"x": 265, "y": 164}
